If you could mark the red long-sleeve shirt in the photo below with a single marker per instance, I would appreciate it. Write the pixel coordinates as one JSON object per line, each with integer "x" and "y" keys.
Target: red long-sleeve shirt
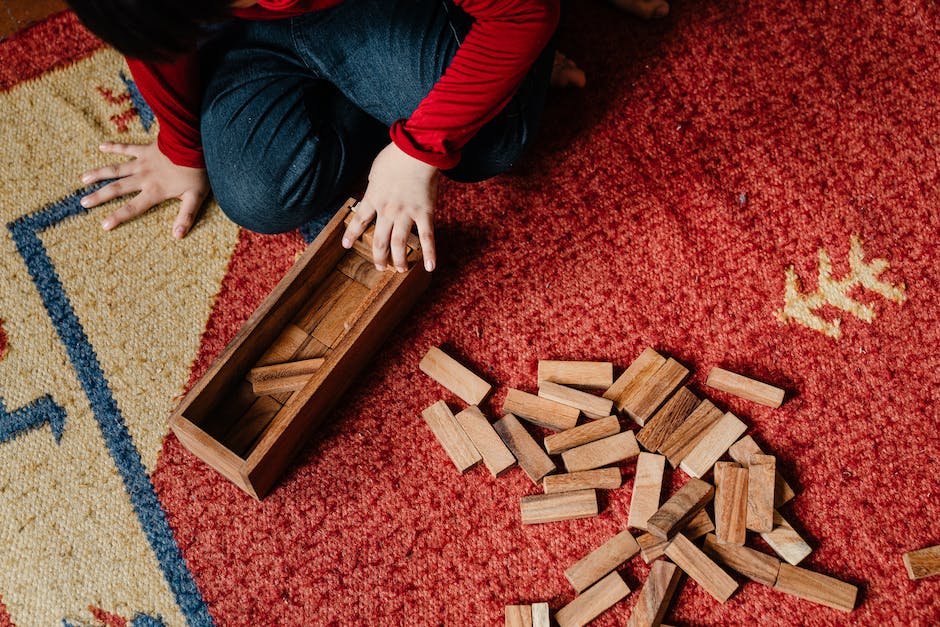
{"x": 492, "y": 61}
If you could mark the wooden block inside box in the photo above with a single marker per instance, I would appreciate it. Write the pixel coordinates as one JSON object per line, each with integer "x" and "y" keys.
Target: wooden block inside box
{"x": 217, "y": 401}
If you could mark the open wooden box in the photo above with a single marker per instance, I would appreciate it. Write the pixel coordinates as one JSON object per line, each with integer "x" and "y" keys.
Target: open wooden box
{"x": 332, "y": 304}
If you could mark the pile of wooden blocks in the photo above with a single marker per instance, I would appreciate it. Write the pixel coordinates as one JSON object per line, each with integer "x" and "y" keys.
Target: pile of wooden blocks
{"x": 676, "y": 428}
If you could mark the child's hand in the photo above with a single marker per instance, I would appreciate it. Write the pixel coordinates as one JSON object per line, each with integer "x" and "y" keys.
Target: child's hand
{"x": 154, "y": 178}
{"x": 402, "y": 191}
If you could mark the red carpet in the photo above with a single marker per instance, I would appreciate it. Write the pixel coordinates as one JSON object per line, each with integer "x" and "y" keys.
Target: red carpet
{"x": 662, "y": 207}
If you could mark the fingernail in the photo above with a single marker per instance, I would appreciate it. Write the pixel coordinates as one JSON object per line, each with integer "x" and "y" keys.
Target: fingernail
{"x": 86, "y": 178}
{"x": 346, "y": 242}
{"x": 428, "y": 265}
{"x": 106, "y": 225}
{"x": 178, "y": 231}
{"x": 102, "y": 146}
{"x": 85, "y": 202}
{"x": 400, "y": 269}
{"x": 380, "y": 267}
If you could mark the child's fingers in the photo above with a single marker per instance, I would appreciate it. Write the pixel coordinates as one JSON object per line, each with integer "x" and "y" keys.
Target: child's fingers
{"x": 426, "y": 234}
{"x": 128, "y": 150}
{"x": 110, "y": 191}
{"x": 137, "y": 205}
{"x": 400, "y": 242}
{"x": 380, "y": 241}
{"x": 115, "y": 171}
{"x": 189, "y": 207}
{"x": 361, "y": 218}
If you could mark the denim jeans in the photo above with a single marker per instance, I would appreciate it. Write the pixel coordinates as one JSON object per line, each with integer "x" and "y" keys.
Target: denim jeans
{"x": 296, "y": 109}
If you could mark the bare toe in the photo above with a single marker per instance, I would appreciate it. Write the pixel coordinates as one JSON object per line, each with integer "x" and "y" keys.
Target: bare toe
{"x": 565, "y": 73}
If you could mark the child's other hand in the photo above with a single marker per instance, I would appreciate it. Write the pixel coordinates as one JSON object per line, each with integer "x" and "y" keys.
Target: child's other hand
{"x": 402, "y": 191}
{"x": 153, "y": 178}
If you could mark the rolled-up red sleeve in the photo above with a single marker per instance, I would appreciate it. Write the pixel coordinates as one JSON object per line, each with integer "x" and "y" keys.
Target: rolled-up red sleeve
{"x": 173, "y": 91}
{"x": 494, "y": 58}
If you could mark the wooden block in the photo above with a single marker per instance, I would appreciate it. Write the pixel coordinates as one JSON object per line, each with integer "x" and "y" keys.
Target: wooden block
{"x": 590, "y": 405}
{"x": 698, "y": 526}
{"x": 447, "y": 371}
{"x": 518, "y": 616}
{"x": 591, "y": 375}
{"x": 652, "y": 548}
{"x": 688, "y": 434}
{"x": 647, "y": 489}
{"x": 602, "y": 560}
{"x": 588, "y": 432}
{"x": 600, "y": 479}
{"x": 699, "y": 567}
{"x": 610, "y": 450}
{"x": 284, "y": 347}
{"x": 785, "y": 541}
{"x": 711, "y": 447}
{"x": 361, "y": 270}
{"x": 654, "y": 598}
{"x": 672, "y": 414}
{"x": 496, "y": 457}
{"x": 744, "y": 387}
{"x": 334, "y": 323}
{"x": 754, "y": 565}
{"x": 642, "y": 400}
{"x": 730, "y": 503}
{"x": 363, "y": 245}
{"x": 540, "y": 411}
{"x": 247, "y": 428}
{"x": 532, "y": 459}
{"x": 817, "y": 588}
{"x": 311, "y": 348}
{"x": 679, "y": 509}
{"x": 923, "y": 562}
{"x": 541, "y": 617}
{"x": 642, "y": 367}
{"x": 761, "y": 483}
{"x": 285, "y": 377}
{"x": 364, "y": 305}
{"x": 326, "y": 294}
{"x": 451, "y": 436}
{"x": 741, "y": 452}
{"x": 593, "y": 602}
{"x": 545, "y": 508}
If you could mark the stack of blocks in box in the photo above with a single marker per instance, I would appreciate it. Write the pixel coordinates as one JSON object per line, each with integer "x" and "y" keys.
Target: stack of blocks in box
{"x": 290, "y": 363}
{"x": 676, "y": 428}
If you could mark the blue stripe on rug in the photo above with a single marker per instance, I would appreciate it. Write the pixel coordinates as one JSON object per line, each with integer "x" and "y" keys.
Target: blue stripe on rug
{"x": 140, "y": 490}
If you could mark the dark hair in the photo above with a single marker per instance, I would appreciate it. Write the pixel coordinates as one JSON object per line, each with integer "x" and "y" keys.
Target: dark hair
{"x": 152, "y": 30}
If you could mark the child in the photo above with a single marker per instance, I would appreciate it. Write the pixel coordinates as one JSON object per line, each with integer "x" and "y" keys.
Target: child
{"x": 281, "y": 108}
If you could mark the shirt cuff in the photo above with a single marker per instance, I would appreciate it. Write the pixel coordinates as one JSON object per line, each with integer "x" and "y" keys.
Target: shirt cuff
{"x": 181, "y": 155}
{"x": 441, "y": 158}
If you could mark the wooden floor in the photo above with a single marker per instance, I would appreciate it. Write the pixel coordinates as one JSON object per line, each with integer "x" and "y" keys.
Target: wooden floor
{"x": 16, "y": 15}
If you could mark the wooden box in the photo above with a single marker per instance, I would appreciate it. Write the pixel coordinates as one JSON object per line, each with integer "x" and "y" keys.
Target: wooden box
{"x": 333, "y": 304}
